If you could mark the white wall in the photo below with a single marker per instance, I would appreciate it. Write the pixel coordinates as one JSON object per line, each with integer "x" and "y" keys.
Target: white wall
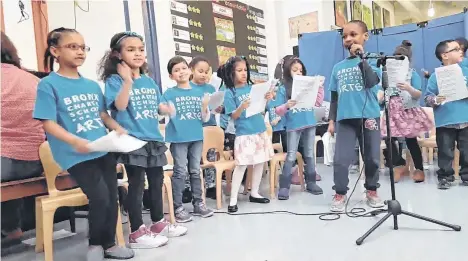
{"x": 21, "y": 34}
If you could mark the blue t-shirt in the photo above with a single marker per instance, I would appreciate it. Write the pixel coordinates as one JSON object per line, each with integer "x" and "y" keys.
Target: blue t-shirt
{"x": 298, "y": 118}
{"x": 454, "y": 112}
{"x": 271, "y": 108}
{"x": 346, "y": 79}
{"x": 464, "y": 63}
{"x": 416, "y": 80}
{"x": 141, "y": 118}
{"x": 207, "y": 88}
{"x": 233, "y": 98}
{"x": 187, "y": 124}
{"x": 75, "y": 105}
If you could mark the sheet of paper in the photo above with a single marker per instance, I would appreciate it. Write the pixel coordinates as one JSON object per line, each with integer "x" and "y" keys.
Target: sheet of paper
{"x": 215, "y": 81}
{"x": 305, "y": 90}
{"x": 113, "y": 142}
{"x": 216, "y": 100}
{"x": 451, "y": 82}
{"x": 257, "y": 98}
{"x": 397, "y": 72}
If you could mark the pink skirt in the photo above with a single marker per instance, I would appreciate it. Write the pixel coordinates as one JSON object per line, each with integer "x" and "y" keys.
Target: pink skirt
{"x": 408, "y": 123}
{"x": 253, "y": 149}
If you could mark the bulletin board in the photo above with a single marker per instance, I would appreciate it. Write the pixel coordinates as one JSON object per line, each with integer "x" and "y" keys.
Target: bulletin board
{"x": 218, "y": 30}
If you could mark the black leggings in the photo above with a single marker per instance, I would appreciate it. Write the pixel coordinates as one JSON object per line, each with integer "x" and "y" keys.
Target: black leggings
{"x": 98, "y": 180}
{"x": 136, "y": 187}
{"x": 413, "y": 147}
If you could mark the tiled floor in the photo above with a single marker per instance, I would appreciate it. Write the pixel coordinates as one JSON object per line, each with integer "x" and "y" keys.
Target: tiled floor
{"x": 302, "y": 238}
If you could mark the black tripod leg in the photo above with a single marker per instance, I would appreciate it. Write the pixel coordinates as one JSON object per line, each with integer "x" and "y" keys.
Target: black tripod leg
{"x": 380, "y": 222}
{"x": 454, "y": 227}
{"x": 395, "y": 222}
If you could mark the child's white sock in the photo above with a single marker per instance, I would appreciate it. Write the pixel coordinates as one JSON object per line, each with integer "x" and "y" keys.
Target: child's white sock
{"x": 256, "y": 179}
{"x": 236, "y": 182}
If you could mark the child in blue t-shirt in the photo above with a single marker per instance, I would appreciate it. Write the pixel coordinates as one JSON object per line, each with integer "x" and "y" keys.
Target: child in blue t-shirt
{"x": 252, "y": 145}
{"x": 355, "y": 108}
{"x": 133, "y": 99}
{"x": 451, "y": 118}
{"x": 201, "y": 72}
{"x": 73, "y": 113}
{"x": 300, "y": 127}
{"x": 185, "y": 133}
{"x": 276, "y": 121}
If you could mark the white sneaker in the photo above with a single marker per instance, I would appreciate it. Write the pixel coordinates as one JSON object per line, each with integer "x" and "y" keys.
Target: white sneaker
{"x": 143, "y": 238}
{"x": 167, "y": 229}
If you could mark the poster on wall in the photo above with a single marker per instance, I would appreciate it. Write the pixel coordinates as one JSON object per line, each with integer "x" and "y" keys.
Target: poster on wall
{"x": 356, "y": 10}
{"x": 306, "y": 23}
{"x": 386, "y": 18}
{"x": 218, "y": 30}
{"x": 367, "y": 17}
{"x": 341, "y": 12}
{"x": 377, "y": 14}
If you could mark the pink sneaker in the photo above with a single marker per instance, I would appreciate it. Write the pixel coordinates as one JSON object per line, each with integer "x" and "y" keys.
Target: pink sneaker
{"x": 167, "y": 229}
{"x": 295, "y": 180}
{"x": 143, "y": 238}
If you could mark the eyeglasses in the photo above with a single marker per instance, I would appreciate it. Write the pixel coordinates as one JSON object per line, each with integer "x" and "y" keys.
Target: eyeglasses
{"x": 456, "y": 49}
{"x": 76, "y": 47}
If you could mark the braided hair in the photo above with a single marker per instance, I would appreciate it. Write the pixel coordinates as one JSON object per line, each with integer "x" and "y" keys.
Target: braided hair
{"x": 53, "y": 39}
{"x": 227, "y": 71}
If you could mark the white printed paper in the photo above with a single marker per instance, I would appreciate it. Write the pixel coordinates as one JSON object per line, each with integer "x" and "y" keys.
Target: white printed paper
{"x": 261, "y": 51}
{"x": 451, "y": 82}
{"x": 305, "y": 90}
{"x": 182, "y": 47}
{"x": 397, "y": 71}
{"x": 260, "y": 31}
{"x": 261, "y": 41}
{"x": 179, "y": 7}
{"x": 262, "y": 60}
{"x": 216, "y": 100}
{"x": 181, "y": 21}
{"x": 259, "y": 20}
{"x": 215, "y": 81}
{"x": 257, "y": 98}
{"x": 262, "y": 69}
{"x": 181, "y": 34}
{"x": 113, "y": 142}
{"x": 222, "y": 10}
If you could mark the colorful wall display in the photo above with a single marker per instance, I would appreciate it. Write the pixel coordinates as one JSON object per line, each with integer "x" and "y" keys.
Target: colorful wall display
{"x": 341, "y": 12}
{"x": 356, "y": 10}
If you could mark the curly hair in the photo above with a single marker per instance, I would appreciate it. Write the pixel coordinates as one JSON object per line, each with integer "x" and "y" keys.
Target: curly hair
{"x": 227, "y": 71}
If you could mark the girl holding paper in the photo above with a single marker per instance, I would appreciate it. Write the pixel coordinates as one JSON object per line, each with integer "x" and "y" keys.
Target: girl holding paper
{"x": 300, "y": 127}
{"x": 73, "y": 113}
{"x": 252, "y": 145}
{"x": 134, "y": 100}
{"x": 407, "y": 120}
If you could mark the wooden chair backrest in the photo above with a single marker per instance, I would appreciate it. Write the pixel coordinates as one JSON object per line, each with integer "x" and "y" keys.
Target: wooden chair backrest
{"x": 51, "y": 168}
{"x": 213, "y": 138}
{"x": 170, "y": 160}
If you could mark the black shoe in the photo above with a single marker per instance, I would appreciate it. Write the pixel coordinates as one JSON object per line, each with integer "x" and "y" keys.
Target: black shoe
{"x": 233, "y": 209}
{"x": 211, "y": 193}
{"x": 464, "y": 183}
{"x": 259, "y": 200}
{"x": 443, "y": 184}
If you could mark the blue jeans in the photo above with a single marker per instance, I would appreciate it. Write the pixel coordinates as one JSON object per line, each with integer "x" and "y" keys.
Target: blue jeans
{"x": 186, "y": 157}
{"x": 308, "y": 142}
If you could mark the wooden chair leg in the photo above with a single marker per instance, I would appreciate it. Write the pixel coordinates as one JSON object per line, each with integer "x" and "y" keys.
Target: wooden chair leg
{"x": 273, "y": 164}
{"x": 456, "y": 162}
{"x": 431, "y": 156}
{"x": 170, "y": 200}
{"x": 202, "y": 180}
{"x": 39, "y": 227}
{"x": 119, "y": 230}
{"x": 219, "y": 198}
{"x": 48, "y": 232}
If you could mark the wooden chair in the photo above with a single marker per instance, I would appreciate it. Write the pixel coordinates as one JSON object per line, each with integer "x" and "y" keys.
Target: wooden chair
{"x": 47, "y": 205}
{"x": 281, "y": 158}
{"x": 167, "y": 187}
{"x": 213, "y": 138}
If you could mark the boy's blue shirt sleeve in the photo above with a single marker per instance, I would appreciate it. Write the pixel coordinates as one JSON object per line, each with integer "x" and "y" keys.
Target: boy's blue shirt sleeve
{"x": 229, "y": 102}
{"x": 432, "y": 88}
{"x": 45, "y": 107}
{"x": 112, "y": 88}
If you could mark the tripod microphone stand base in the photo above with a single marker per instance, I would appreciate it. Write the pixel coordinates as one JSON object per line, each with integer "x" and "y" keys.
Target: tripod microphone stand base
{"x": 394, "y": 209}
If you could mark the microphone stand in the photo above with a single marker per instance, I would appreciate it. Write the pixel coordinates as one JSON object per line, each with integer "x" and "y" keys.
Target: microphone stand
{"x": 394, "y": 208}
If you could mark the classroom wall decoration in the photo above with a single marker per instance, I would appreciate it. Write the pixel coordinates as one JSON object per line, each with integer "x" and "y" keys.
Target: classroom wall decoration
{"x": 218, "y": 30}
{"x": 356, "y": 10}
{"x": 386, "y": 18}
{"x": 341, "y": 12}
{"x": 367, "y": 17}
{"x": 377, "y": 14}
{"x": 306, "y": 23}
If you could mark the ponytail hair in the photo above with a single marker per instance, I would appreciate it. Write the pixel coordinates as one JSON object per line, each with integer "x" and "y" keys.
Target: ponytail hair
{"x": 53, "y": 39}
{"x": 227, "y": 71}
{"x": 404, "y": 49}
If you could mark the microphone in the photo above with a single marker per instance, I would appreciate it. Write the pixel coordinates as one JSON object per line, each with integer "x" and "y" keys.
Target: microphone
{"x": 358, "y": 53}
